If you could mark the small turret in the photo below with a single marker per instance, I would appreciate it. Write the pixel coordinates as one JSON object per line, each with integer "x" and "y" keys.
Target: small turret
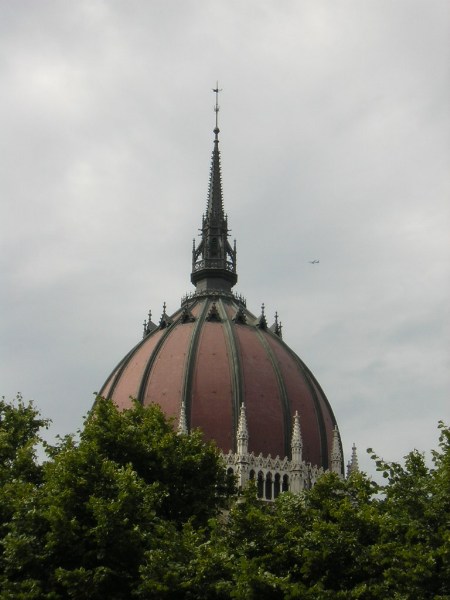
{"x": 336, "y": 453}
{"x": 182, "y": 422}
{"x": 296, "y": 468}
{"x": 242, "y": 433}
{"x": 242, "y": 449}
{"x": 296, "y": 443}
{"x": 353, "y": 465}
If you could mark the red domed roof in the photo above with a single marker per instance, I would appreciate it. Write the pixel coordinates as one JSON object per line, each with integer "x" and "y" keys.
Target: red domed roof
{"x": 214, "y": 354}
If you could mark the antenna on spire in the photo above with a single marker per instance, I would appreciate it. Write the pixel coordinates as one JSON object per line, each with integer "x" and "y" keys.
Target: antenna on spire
{"x": 216, "y": 90}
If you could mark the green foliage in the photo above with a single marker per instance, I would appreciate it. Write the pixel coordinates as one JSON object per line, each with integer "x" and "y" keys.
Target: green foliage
{"x": 133, "y": 510}
{"x": 20, "y": 424}
{"x": 20, "y": 473}
{"x": 415, "y": 515}
{"x": 100, "y": 507}
{"x": 180, "y": 464}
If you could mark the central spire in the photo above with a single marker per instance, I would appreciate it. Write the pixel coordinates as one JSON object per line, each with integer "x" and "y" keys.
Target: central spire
{"x": 214, "y": 260}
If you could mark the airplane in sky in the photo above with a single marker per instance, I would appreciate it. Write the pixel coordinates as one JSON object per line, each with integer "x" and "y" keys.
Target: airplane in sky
{"x": 314, "y": 262}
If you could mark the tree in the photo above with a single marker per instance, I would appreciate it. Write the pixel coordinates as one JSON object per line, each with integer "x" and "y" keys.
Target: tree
{"x": 132, "y": 510}
{"x": 102, "y": 503}
{"x": 20, "y": 425}
{"x": 193, "y": 484}
{"x": 310, "y": 546}
{"x": 343, "y": 539}
{"x": 414, "y": 541}
{"x": 20, "y": 472}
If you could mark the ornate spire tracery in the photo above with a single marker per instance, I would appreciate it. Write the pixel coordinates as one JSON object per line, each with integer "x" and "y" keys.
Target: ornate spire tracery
{"x": 214, "y": 259}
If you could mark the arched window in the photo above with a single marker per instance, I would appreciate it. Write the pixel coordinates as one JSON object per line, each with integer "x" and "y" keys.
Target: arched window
{"x": 269, "y": 486}
{"x": 214, "y": 246}
{"x": 252, "y": 475}
{"x": 276, "y": 485}
{"x": 285, "y": 487}
{"x": 230, "y": 471}
{"x": 260, "y": 485}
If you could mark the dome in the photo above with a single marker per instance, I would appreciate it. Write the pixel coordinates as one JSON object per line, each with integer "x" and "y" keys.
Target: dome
{"x": 212, "y": 355}
{"x": 215, "y": 365}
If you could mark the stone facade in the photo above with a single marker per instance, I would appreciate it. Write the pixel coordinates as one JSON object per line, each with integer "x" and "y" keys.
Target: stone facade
{"x": 273, "y": 476}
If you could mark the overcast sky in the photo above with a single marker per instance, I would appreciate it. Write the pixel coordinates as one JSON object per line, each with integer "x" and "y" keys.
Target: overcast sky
{"x": 335, "y": 144}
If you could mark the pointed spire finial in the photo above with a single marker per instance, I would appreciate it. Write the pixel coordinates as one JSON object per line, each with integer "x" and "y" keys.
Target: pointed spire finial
{"x": 296, "y": 432}
{"x": 216, "y": 90}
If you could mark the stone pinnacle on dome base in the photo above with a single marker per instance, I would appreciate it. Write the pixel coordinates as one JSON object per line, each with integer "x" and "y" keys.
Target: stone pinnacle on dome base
{"x": 242, "y": 449}
{"x": 242, "y": 432}
{"x": 296, "y": 478}
{"x": 353, "y": 465}
{"x": 336, "y": 453}
{"x": 296, "y": 441}
{"x": 182, "y": 422}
